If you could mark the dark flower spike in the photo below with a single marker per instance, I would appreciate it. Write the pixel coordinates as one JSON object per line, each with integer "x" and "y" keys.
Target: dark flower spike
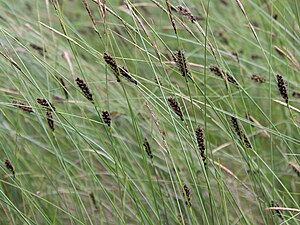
{"x": 175, "y": 107}
{"x": 106, "y": 117}
{"x": 296, "y": 94}
{"x": 63, "y": 84}
{"x": 45, "y": 103}
{"x": 258, "y": 78}
{"x": 113, "y": 65}
{"x": 240, "y": 133}
{"x": 147, "y": 148}
{"x": 22, "y": 105}
{"x": 187, "y": 14}
{"x": 179, "y": 59}
{"x": 220, "y": 73}
{"x": 200, "y": 141}
{"x": 9, "y": 166}
{"x": 187, "y": 195}
{"x": 50, "y": 120}
{"x": 118, "y": 70}
{"x": 85, "y": 89}
{"x": 282, "y": 88}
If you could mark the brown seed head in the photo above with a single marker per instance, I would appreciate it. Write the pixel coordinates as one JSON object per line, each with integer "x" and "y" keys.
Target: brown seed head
{"x": 220, "y": 73}
{"x": 147, "y": 148}
{"x": 187, "y": 195}
{"x": 258, "y": 78}
{"x": 85, "y": 89}
{"x": 106, "y": 117}
{"x": 9, "y": 166}
{"x": 183, "y": 11}
{"x": 179, "y": 59}
{"x": 200, "y": 142}
{"x": 240, "y": 133}
{"x": 175, "y": 107}
{"x": 45, "y": 103}
{"x": 22, "y": 105}
{"x": 282, "y": 88}
{"x": 296, "y": 94}
{"x": 50, "y": 120}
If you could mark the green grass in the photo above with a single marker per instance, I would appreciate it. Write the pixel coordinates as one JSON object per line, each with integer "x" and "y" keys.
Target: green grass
{"x": 85, "y": 172}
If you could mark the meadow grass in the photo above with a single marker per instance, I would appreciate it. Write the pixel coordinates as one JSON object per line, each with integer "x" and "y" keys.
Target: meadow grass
{"x": 149, "y": 112}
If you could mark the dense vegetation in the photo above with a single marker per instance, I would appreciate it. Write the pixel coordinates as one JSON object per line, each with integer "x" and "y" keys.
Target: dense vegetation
{"x": 150, "y": 112}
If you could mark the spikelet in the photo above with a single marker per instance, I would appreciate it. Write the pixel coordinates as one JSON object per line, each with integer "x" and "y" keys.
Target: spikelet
{"x": 92, "y": 196}
{"x": 175, "y": 107}
{"x": 278, "y": 213}
{"x": 106, "y": 117}
{"x": 187, "y": 195}
{"x": 200, "y": 142}
{"x": 282, "y": 88}
{"x": 296, "y": 94}
{"x": 258, "y": 78}
{"x": 295, "y": 168}
{"x": 9, "y": 166}
{"x": 180, "y": 61}
{"x": 63, "y": 84}
{"x": 85, "y": 89}
{"x": 124, "y": 72}
{"x": 147, "y": 148}
{"x": 46, "y": 104}
{"x": 240, "y": 133}
{"x": 22, "y": 105}
{"x": 186, "y": 13}
{"x": 118, "y": 70}
{"x": 50, "y": 120}
{"x": 113, "y": 65}
{"x": 220, "y": 73}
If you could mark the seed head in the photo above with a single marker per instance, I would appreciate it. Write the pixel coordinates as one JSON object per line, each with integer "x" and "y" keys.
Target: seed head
{"x": 200, "y": 142}
{"x": 258, "y": 78}
{"x": 63, "y": 84}
{"x": 282, "y": 88}
{"x": 106, "y": 117}
{"x": 187, "y": 195}
{"x": 147, "y": 148}
{"x": 113, "y": 65}
{"x": 22, "y": 105}
{"x": 296, "y": 94}
{"x": 179, "y": 59}
{"x": 183, "y": 11}
{"x": 46, "y": 104}
{"x": 9, "y": 166}
{"x": 50, "y": 120}
{"x": 240, "y": 133}
{"x": 85, "y": 89}
{"x": 175, "y": 107}
{"x": 220, "y": 73}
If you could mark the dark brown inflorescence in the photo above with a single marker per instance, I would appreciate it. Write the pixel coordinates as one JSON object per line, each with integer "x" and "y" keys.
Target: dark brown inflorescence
{"x": 187, "y": 195}
{"x": 22, "y": 105}
{"x": 258, "y": 78}
{"x": 106, "y": 117}
{"x": 296, "y": 94}
{"x": 240, "y": 133}
{"x": 147, "y": 148}
{"x": 175, "y": 107}
{"x": 295, "y": 168}
{"x": 183, "y": 11}
{"x": 45, "y": 103}
{"x": 9, "y": 166}
{"x": 63, "y": 84}
{"x": 282, "y": 88}
{"x": 200, "y": 142}
{"x": 92, "y": 196}
{"x": 179, "y": 59}
{"x": 220, "y": 73}
{"x": 85, "y": 89}
{"x": 278, "y": 213}
{"x": 118, "y": 70}
{"x": 50, "y": 120}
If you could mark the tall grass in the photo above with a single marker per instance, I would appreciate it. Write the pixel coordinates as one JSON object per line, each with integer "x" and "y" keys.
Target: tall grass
{"x": 149, "y": 112}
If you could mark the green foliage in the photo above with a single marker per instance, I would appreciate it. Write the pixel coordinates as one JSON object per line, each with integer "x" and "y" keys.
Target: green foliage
{"x": 144, "y": 119}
